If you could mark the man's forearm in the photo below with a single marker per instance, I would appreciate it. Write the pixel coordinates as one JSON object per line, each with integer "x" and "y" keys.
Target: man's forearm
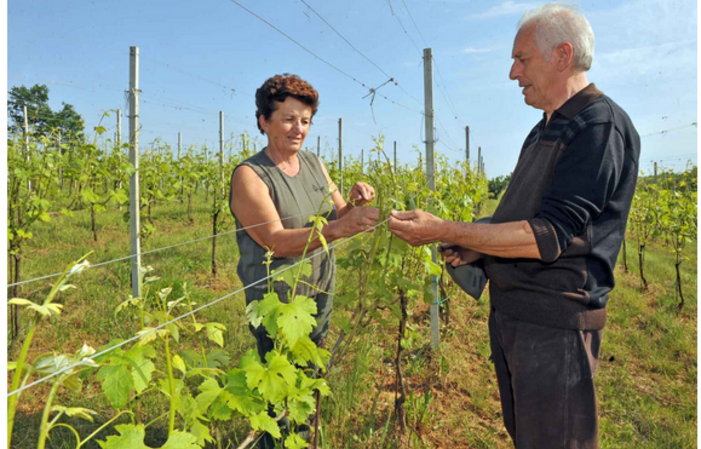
{"x": 509, "y": 240}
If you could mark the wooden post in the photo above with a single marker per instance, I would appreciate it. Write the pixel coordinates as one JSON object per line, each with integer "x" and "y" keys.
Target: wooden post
{"x": 60, "y": 167}
{"x": 467, "y": 145}
{"x": 26, "y": 144}
{"x": 430, "y": 175}
{"x": 479, "y": 159}
{"x": 119, "y": 129}
{"x": 655, "y": 172}
{"x": 340, "y": 155}
{"x": 318, "y": 146}
{"x": 180, "y": 144}
{"x": 216, "y": 194}
{"x": 134, "y": 208}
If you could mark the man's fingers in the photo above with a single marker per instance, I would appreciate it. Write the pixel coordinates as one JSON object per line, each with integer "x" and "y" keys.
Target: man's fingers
{"x": 404, "y": 215}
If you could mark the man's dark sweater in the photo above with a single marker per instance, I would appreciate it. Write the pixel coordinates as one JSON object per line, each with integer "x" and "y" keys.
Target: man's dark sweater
{"x": 574, "y": 183}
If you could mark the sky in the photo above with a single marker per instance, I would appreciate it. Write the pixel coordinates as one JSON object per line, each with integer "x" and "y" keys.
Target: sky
{"x": 201, "y": 57}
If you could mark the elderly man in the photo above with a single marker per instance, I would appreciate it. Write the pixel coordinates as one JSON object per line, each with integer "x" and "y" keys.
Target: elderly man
{"x": 552, "y": 244}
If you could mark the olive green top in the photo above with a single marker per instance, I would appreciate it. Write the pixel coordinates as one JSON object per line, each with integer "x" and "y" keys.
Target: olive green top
{"x": 297, "y": 200}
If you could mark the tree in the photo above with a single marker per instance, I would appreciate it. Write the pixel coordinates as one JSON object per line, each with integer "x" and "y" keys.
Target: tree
{"x": 498, "y": 184}
{"x": 70, "y": 123}
{"x": 42, "y": 120}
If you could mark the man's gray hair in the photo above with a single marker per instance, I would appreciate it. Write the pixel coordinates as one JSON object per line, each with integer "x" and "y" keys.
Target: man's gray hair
{"x": 562, "y": 22}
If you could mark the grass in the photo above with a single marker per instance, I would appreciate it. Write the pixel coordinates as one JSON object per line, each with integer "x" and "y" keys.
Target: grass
{"x": 646, "y": 382}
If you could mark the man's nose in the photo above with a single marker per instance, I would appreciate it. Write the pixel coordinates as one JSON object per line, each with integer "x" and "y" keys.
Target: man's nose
{"x": 515, "y": 71}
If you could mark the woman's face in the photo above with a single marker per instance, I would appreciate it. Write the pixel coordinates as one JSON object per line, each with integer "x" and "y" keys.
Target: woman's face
{"x": 288, "y": 125}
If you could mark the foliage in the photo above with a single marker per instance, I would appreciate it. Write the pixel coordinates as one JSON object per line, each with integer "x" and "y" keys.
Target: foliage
{"x": 43, "y": 122}
{"x": 498, "y": 184}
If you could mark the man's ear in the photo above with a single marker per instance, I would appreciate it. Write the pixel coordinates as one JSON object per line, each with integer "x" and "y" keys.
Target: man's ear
{"x": 564, "y": 56}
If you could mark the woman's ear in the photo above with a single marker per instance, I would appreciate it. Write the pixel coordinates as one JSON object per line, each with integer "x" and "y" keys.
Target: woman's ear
{"x": 263, "y": 124}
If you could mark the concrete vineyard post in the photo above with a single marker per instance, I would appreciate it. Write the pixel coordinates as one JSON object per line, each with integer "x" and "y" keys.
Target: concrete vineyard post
{"x": 134, "y": 209}
{"x": 430, "y": 167}
{"x": 340, "y": 155}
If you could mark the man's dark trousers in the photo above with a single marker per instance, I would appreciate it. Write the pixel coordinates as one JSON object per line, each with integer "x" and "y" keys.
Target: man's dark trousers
{"x": 546, "y": 383}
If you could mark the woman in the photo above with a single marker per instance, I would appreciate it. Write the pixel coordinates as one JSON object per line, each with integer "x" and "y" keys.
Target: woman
{"x": 282, "y": 186}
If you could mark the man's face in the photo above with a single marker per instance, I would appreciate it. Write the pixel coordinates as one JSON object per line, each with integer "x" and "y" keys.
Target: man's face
{"x": 532, "y": 71}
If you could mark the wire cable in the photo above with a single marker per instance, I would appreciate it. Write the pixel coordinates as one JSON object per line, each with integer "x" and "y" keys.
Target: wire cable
{"x": 314, "y": 54}
{"x": 359, "y": 52}
{"x": 176, "y": 69}
{"x": 131, "y": 256}
{"x": 185, "y": 315}
{"x": 669, "y": 130}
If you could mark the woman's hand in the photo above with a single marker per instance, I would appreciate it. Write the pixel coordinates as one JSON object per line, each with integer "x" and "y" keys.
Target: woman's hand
{"x": 358, "y": 219}
{"x": 457, "y": 255}
{"x": 361, "y": 194}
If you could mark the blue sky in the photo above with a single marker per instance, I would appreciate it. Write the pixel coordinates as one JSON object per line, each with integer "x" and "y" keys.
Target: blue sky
{"x": 194, "y": 53}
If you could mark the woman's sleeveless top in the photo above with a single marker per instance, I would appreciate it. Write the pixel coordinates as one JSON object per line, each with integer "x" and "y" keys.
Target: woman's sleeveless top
{"x": 296, "y": 198}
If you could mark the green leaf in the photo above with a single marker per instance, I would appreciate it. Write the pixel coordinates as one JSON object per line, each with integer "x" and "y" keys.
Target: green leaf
{"x": 117, "y": 384}
{"x": 301, "y": 408}
{"x": 306, "y": 351}
{"x": 239, "y": 397}
{"x": 179, "y": 364}
{"x": 142, "y": 368}
{"x": 21, "y": 302}
{"x": 210, "y": 390}
{"x": 132, "y": 437}
{"x": 44, "y": 311}
{"x": 294, "y": 441}
{"x": 215, "y": 334}
{"x": 201, "y": 432}
{"x": 265, "y": 423}
{"x": 273, "y": 381}
{"x": 75, "y": 412}
{"x": 173, "y": 330}
{"x": 217, "y": 359}
{"x": 219, "y": 409}
{"x": 253, "y": 315}
{"x": 295, "y": 319}
{"x": 268, "y": 308}
{"x": 89, "y": 196}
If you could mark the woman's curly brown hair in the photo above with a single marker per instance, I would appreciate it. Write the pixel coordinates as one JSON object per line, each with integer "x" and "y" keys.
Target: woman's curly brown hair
{"x": 277, "y": 89}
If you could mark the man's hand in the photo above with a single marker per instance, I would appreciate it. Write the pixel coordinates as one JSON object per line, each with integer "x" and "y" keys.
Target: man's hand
{"x": 457, "y": 255}
{"x": 361, "y": 194}
{"x": 416, "y": 227}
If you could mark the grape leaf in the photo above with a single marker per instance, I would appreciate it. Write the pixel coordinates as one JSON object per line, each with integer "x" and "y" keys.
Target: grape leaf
{"x": 214, "y": 333}
{"x": 271, "y": 381}
{"x": 295, "y": 441}
{"x": 132, "y": 437}
{"x": 295, "y": 319}
{"x": 300, "y": 409}
{"x": 210, "y": 389}
{"x": 117, "y": 383}
{"x": 305, "y": 351}
{"x": 268, "y": 309}
{"x": 263, "y": 422}
{"x": 239, "y": 397}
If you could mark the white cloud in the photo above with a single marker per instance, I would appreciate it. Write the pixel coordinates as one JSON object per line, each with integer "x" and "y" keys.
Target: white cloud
{"x": 507, "y": 8}
{"x": 471, "y": 50}
{"x": 650, "y": 64}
